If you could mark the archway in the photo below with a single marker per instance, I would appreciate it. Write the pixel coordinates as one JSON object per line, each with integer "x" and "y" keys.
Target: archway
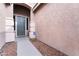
{"x": 21, "y": 19}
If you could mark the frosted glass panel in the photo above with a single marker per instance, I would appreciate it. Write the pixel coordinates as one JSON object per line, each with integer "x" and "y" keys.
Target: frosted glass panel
{"x": 20, "y": 26}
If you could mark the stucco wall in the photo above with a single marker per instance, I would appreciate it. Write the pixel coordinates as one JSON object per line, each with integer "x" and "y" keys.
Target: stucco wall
{"x": 2, "y": 24}
{"x": 5, "y": 13}
{"x": 9, "y": 23}
{"x": 58, "y": 26}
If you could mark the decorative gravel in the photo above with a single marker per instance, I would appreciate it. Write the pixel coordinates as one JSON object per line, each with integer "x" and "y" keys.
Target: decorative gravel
{"x": 46, "y": 50}
{"x": 9, "y": 49}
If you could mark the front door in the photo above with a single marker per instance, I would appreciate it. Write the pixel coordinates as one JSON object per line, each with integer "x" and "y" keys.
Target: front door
{"x": 20, "y": 26}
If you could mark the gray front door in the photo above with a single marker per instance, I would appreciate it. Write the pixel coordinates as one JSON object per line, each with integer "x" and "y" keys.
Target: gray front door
{"x": 20, "y": 26}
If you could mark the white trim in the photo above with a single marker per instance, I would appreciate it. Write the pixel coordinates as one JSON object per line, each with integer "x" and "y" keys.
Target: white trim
{"x": 21, "y": 15}
{"x": 16, "y": 23}
{"x": 35, "y": 7}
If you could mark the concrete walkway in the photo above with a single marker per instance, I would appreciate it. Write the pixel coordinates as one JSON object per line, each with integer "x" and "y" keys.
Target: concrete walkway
{"x": 25, "y": 48}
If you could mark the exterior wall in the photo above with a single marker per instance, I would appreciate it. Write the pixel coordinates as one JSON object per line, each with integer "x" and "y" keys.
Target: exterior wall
{"x": 58, "y": 26}
{"x": 9, "y": 23}
{"x": 32, "y": 26}
{"x": 2, "y": 24}
{"x": 5, "y": 12}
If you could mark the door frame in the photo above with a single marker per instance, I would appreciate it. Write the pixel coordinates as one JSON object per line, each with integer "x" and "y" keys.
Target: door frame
{"x": 16, "y": 23}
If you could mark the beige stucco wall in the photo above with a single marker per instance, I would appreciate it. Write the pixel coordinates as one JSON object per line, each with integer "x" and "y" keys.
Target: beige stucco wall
{"x": 2, "y": 17}
{"x": 2, "y": 24}
{"x": 58, "y": 26}
{"x": 6, "y": 12}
